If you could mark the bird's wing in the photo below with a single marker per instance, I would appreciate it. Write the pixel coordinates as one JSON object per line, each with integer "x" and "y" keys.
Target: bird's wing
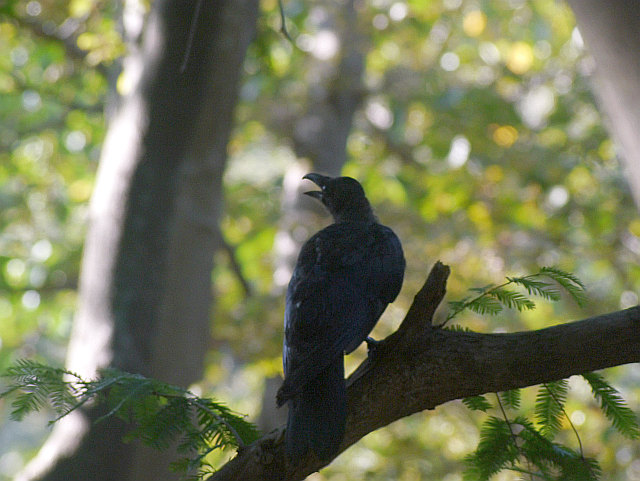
{"x": 382, "y": 273}
{"x": 345, "y": 277}
{"x": 390, "y": 264}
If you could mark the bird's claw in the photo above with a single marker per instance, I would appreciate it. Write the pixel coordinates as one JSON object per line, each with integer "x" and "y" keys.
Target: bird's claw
{"x": 372, "y": 346}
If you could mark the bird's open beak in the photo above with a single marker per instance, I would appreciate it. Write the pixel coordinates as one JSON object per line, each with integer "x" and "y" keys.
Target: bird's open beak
{"x": 320, "y": 181}
{"x": 316, "y": 194}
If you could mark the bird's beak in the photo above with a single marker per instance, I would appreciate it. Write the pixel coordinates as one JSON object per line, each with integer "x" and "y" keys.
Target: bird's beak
{"x": 316, "y": 194}
{"x": 320, "y": 181}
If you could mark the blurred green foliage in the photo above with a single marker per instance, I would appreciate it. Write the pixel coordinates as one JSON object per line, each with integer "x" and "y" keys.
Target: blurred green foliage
{"x": 160, "y": 415}
{"x": 478, "y": 140}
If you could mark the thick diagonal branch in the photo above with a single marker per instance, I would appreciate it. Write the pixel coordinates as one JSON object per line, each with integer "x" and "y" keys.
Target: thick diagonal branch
{"x": 419, "y": 368}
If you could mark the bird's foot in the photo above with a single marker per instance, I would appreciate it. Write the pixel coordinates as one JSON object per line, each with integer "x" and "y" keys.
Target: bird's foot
{"x": 372, "y": 346}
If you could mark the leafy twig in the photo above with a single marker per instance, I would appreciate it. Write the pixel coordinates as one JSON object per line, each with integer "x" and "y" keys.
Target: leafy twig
{"x": 159, "y": 412}
{"x": 492, "y": 299}
{"x": 561, "y": 407}
{"x": 612, "y": 404}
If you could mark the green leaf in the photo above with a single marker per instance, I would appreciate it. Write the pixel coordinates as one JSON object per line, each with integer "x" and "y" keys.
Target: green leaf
{"x": 458, "y": 305}
{"x": 482, "y": 290}
{"x": 613, "y": 406}
{"x": 513, "y": 299}
{"x": 491, "y": 299}
{"x": 495, "y": 452}
{"x": 543, "y": 289}
{"x": 485, "y": 305}
{"x": 568, "y": 281}
{"x": 511, "y": 398}
{"x": 550, "y": 406}
{"x": 477, "y": 403}
{"x": 161, "y": 413}
{"x": 457, "y": 328}
{"x": 566, "y": 464}
{"x": 37, "y": 386}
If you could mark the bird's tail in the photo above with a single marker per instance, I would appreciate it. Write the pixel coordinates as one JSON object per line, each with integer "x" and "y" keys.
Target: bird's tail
{"x": 317, "y": 416}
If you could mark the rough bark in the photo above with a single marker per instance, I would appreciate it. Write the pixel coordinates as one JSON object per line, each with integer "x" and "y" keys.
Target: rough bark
{"x": 145, "y": 289}
{"x": 420, "y": 367}
{"x": 611, "y": 31}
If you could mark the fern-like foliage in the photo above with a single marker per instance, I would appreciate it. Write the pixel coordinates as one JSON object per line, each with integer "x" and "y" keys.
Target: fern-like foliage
{"x": 552, "y": 460}
{"x": 493, "y": 299}
{"x": 496, "y": 451}
{"x": 550, "y": 406}
{"x": 511, "y": 398}
{"x": 477, "y": 403}
{"x": 517, "y": 445}
{"x": 568, "y": 281}
{"x": 613, "y": 406}
{"x": 456, "y": 328}
{"x": 522, "y": 446}
{"x": 36, "y": 386}
{"x": 160, "y": 414}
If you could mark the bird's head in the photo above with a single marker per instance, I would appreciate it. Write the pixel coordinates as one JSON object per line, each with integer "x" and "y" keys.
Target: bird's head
{"x": 343, "y": 197}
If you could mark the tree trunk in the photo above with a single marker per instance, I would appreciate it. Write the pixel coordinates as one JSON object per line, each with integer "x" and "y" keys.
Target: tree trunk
{"x": 611, "y": 31}
{"x": 145, "y": 289}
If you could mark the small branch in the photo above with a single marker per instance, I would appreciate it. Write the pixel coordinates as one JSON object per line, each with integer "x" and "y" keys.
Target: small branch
{"x": 235, "y": 264}
{"x": 514, "y": 437}
{"x": 283, "y": 23}
{"x": 130, "y": 395}
{"x": 457, "y": 311}
{"x": 69, "y": 41}
{"x": 524, "y": 471}
{"x": 426, "y": 301}
{"x": 561, "y": 406}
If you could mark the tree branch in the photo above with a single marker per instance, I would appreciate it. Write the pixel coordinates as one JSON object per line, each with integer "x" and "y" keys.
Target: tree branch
{"x": 420, "y": 367}
{"x": 67, "y": 37}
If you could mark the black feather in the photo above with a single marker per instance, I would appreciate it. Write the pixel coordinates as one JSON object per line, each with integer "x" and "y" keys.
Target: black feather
{"x": 345, "y": 276}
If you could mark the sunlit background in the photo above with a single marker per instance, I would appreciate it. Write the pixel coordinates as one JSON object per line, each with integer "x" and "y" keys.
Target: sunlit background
{"x": 478, "y": 140}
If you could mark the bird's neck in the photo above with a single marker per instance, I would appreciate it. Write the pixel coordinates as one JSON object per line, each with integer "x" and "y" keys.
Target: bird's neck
{"x": 362, "y": 214}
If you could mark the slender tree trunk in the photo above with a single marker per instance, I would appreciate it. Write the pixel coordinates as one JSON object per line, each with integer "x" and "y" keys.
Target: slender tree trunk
{"x": 611, "y": 31}
{"x": 145, "y": 289}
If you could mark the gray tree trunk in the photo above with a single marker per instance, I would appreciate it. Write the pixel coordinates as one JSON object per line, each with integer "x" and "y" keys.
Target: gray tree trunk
{"x": 145, "y": 288}
{"x": 611, "y": 31}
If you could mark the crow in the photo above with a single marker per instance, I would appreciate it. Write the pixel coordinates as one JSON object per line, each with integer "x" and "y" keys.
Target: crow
{"x": 345, "y": 276}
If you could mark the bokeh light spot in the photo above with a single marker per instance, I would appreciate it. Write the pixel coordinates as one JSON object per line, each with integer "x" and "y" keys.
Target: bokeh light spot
{"x": 474, "y": 23}
{"x": 505, "y": 135}
{"x": 520, "y": 58}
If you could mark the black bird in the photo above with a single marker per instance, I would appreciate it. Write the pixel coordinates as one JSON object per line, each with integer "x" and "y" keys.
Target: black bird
{"x": 345, "y": 276}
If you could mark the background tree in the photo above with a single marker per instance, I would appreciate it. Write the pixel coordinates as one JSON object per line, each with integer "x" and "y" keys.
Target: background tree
{"x": 477, "y": 140}
{"x": 144, "y": 292}
{"x": 611, "y": 35}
